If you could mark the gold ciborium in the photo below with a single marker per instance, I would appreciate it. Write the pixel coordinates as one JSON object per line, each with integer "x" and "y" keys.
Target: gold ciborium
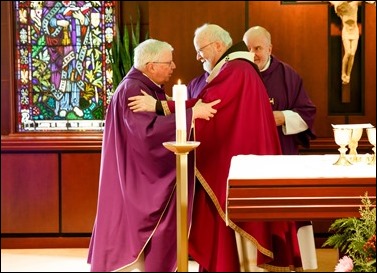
{"x": 342, "y": 137}
{"x": 371, "y": 133}
{"x": 354, "y": 141}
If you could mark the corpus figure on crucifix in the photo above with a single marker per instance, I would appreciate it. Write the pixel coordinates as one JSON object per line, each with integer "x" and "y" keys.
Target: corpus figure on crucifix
{"x": 347, "y": 11}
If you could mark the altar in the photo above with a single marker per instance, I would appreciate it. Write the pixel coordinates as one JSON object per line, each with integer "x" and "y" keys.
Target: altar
{"x": 302, "y": 187}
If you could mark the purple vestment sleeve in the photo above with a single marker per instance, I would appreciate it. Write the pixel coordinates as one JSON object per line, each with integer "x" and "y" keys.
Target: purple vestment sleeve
{"x": 291, "y": 95}
{"x": 195, "y": 86}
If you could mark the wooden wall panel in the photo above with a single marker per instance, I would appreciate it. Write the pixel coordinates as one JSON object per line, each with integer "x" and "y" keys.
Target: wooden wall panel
{"x": 80, "y": 174}
{"x": 29, "y": 193}
{"x": 176, "y": 21}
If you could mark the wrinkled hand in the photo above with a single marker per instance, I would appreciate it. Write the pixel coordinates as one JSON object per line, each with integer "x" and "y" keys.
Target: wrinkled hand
{"x": 204, "y": 110}
{"x": 142, "y": 103}
{"x": 279, "y": 118}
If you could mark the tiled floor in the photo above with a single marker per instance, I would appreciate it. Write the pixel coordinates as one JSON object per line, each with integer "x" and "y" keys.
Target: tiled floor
{"x": 74, "y": 260}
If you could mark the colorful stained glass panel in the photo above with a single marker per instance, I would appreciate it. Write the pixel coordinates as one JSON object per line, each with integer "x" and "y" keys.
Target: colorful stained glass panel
{"x": 63, "y": 67}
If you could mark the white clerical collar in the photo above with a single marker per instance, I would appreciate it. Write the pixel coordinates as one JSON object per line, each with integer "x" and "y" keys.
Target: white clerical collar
{"x": 267, "y": 64}
{"x": 231, "y": 56}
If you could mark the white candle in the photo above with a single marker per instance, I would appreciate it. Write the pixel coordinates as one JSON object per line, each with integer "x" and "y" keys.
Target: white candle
{"x": 180, "y": 96}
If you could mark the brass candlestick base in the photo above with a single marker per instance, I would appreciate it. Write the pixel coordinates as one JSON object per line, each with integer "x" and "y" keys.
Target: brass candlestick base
{"x": 181, "y": 150}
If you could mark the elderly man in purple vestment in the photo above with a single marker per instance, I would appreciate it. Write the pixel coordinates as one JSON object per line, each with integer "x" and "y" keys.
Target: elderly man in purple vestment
{"x": 135, "y": 225}
{"x": 293, "y": 109}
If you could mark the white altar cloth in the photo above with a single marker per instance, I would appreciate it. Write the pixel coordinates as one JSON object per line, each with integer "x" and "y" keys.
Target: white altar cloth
{"x": 295, "y": 166}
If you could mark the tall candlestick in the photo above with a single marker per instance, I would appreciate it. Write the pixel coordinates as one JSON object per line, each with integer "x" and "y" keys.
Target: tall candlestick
{"x": 180, "y": 96}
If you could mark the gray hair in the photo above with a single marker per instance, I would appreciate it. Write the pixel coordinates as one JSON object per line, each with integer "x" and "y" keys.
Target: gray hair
{"x": 213, "y": 33}
{"x": 149, "y": 51}
{"x": 257, "y": 31}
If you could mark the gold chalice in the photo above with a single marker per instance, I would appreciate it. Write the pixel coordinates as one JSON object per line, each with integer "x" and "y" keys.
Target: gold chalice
{"x": 371, "y": 133}
{"x": 342, "y": 137}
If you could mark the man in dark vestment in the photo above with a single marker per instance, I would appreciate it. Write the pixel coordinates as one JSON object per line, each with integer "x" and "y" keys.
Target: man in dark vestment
{"x": 136, "y": 209}
{"x": 294, "y": 111}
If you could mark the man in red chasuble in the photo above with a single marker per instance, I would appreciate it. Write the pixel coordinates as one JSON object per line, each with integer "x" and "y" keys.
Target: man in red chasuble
{"x": 244, "y": 124}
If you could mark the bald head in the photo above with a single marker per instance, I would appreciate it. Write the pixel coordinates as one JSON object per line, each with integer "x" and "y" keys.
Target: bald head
{"x": 258, "y": 40}
{"x": 257, "y": 32}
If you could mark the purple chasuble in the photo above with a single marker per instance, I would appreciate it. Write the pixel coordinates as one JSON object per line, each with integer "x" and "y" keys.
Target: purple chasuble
{"x": 285, "y": 88}
{"x": 196, "y": 85}
{"x": 136, "y": 210}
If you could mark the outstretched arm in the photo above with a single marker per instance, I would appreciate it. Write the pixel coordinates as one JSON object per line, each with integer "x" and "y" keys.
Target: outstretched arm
{"x": 142, "y": 103}
{"x": 147, "y": 103}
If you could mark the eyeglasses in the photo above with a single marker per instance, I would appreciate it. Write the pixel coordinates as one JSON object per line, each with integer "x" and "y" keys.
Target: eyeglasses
{"x": 168, "y": 63}
{"x": 203, "y": 47}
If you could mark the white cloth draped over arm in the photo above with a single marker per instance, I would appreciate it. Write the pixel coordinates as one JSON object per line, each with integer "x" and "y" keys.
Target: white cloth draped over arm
{"x": 294, "y": 124}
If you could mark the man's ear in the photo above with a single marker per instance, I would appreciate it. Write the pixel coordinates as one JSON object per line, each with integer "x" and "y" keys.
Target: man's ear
{"x": 217, "y": 45}
{"x": 149, "y": 67}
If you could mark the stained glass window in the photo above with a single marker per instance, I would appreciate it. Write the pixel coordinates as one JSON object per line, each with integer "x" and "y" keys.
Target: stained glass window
{"x": 63, "y": 68}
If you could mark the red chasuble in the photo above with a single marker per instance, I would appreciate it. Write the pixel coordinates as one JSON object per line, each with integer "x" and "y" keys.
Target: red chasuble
{"x": 244, "y": 124}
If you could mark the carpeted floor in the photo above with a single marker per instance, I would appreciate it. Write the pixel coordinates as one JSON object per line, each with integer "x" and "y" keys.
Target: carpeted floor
{"x": 74, "y": 260}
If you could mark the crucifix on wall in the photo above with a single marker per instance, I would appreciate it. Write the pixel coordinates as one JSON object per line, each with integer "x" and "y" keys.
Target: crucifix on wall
{"x": 347, "y": 11}
{"x": 346, "y": 94}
